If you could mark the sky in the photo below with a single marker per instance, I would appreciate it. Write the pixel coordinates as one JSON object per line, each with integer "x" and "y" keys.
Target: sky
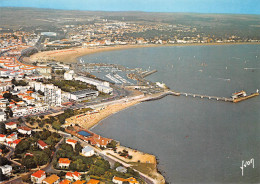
{"x": 195, "y": 6}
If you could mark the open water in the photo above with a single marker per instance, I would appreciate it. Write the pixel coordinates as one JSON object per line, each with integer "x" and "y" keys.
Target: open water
{"x": 195, "y": 140}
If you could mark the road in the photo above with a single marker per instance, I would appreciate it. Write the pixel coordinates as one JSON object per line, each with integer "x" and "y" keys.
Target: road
{"x": 49, "y": 168}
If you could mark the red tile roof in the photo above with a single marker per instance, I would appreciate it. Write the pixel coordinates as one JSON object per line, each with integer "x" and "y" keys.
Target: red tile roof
{"x": 93, "y": 181}
{"x": 42, "y": 144}
{"x": 38, "y": 174}
{"x": 72, "y": 141}
{"x": 17, "y": 141}
{"x": 65, "y": 182}
{"x": 64, "y": 161}
{"x": 11, "y": 123}
{"x": 77, "y": 174}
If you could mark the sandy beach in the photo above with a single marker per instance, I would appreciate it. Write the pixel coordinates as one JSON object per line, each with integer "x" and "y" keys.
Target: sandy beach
{"x": 71, "y": 55}
{"x": 89, "y": 120}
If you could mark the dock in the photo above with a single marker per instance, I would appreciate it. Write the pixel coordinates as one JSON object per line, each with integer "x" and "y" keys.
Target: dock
{"x": 245, "y": 98}
{"x": 145, "y": 74}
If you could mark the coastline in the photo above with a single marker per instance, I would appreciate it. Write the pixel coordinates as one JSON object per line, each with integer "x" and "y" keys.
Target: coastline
{"x": 71, "y": 55}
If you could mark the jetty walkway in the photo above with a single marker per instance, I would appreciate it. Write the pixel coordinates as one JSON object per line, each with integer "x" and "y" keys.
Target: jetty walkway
{"x": 208, "y": 97}
{"x": 174, "y": 93}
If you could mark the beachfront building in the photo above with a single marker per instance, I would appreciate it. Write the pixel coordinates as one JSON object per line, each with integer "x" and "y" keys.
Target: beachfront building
{"x": 88, "y": 151}
{"x": 38, "y": 176}
{"x": 102, "y": 86}
{"x": 83, "y": 95}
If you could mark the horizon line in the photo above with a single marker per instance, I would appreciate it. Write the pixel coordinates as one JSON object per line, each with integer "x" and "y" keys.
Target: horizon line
{"x": 215, "y": 13}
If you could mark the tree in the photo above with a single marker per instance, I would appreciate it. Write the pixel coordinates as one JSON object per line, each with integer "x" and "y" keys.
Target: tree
{"x": 29, "y": 162}
{"x": 117, "y": 164}
{"x": 41, "y": 159}
{"x": 2, "y": 128}
{"x": 112, "y": 144}
{"x": 78, "y": 148}
{"x": 56, "y": 125}
{"x": 22, "y": 147}
{"x": 20, "y": 120}
{"x": 95, "y": 170}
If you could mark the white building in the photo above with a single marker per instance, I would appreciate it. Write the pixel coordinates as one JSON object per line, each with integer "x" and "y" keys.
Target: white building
{"x": 69, "y": 75}
{"x": 101, "y": 86}
{"x": 24, "y": 130}
{"x": 88, "y": 151}
{"x": 6, "y": 169}
{"x": 11, "y": 125}
{"x": 2, "y": 137}
{"x": 72, "y": 142}
{"x": 52, "y": 95}
{"x": 2, "y": 116}
{"x": 38, "y": 176}
{"x": 83, "y": 95}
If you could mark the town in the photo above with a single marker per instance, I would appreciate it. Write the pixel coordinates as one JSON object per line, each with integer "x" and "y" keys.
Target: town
{"x": 48, "y": 107}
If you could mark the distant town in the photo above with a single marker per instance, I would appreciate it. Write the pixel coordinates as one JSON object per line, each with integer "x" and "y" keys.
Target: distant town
{"x": 48, "y": 107}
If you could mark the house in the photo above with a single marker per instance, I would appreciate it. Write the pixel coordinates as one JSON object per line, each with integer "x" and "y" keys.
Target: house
{"x": 2, "y": 137}
{"x": 99, "y": 141}
{"x": 64, "y": 162}
{"x": 42, "y": 144}
{"x": 76, "y": 175}
{"x": 11, "y": 125}
{"x": 122, "y": 180}
{"x": 79, "y": 182}
{"x": 65, "y": 182}
{"x": 93, "y": 181}
{"x": 38, "y": 176}
{"x": 72, "y": 142}
{"x": 69, "y": 176}
{"x": 24, "y": 130}
{"x": 121, "y": 169}
{"x": 53, "y": 179}
{"x": 11, "y": 138}
{"x": 73, "y": 176}
{"x": 15, "y": 142}
{"x": 2, "y": 114}
{"x": 88, "y": 151}
{"x": 6, "y": 169}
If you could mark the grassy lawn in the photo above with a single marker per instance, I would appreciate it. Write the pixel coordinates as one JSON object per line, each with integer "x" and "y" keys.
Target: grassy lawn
{"x": 146, "y": 168}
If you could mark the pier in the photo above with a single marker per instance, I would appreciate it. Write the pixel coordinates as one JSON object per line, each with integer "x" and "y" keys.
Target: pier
{"x": 145, "y": 74}
{"x": 208, "y": 97}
